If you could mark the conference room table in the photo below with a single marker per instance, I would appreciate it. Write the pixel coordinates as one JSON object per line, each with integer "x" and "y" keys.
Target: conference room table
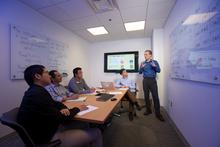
{"x": 105, "y": 108}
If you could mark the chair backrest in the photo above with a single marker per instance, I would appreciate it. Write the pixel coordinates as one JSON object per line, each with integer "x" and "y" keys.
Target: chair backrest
{"x": 10, "y": 119}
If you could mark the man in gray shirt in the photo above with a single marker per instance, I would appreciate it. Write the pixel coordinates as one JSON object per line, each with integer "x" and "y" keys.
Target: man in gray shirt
{"x": 77, "y": 84}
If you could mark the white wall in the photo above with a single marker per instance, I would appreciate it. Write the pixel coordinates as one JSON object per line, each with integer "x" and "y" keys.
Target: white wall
{"x": 158, "y": 54}
{"x": 14, "y": 12}
{"x": 96, "y": 59}
{"x": 195, "y": 108}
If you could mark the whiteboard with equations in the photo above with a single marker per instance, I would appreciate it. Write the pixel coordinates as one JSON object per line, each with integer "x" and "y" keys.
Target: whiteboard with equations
{"x": 195, "y": 45}
{"x": 29, "y": 47}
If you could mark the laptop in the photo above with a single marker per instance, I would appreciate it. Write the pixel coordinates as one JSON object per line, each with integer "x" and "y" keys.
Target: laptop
{"x": 108, "y": 85}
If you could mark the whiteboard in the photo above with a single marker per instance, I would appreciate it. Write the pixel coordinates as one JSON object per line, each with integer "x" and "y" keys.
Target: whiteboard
{"x": 195, "y": 47}
{"x": 29, "y": 47}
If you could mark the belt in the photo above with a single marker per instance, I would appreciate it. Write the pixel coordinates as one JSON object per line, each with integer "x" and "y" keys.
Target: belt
{"x": 149, "y": 77}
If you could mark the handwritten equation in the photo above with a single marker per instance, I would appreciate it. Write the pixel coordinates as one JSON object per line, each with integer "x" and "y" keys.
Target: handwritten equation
{"x": 195, "y": 48}
{"x": 28, "y": 48}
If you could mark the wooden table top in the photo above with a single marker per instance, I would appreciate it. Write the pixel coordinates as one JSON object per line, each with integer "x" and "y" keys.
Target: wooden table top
{"x": 104, "y": 108}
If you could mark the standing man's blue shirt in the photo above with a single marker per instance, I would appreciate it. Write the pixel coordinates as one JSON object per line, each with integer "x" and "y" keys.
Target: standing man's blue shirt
{"x": 149, "y": 70}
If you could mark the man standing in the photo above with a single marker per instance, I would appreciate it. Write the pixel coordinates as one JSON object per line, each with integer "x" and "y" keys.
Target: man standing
{"x": 125, "y": 82}
{"x": 77, "y": 84}
{"x": 150, "y": 68}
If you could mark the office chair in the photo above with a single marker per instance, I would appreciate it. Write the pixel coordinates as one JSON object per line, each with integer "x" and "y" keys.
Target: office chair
{"x": 10, "y": 119}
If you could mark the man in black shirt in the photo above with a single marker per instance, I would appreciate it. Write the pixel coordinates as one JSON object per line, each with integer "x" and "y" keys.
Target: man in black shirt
{"x": 41, "y": 116}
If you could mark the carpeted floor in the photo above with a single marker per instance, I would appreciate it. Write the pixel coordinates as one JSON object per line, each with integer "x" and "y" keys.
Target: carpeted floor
{"x": 143, "y": 131}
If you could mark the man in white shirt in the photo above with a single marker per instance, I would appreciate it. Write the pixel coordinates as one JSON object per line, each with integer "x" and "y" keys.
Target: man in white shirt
{"x": 125, "y": 82}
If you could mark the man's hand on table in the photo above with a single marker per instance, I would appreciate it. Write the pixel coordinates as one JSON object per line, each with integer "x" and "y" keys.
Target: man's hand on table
{"x": 83, "y": 107}
{"x": 65, "y": 112}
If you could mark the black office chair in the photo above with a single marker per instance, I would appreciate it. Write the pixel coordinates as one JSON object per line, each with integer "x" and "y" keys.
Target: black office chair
{"x": 10, "y": 119}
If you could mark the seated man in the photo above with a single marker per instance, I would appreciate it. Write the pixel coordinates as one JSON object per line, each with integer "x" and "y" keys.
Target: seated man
{"x": 58, "y": 91}
{"x": 124, "y": 82}
{"x": 77, "y": 84}
{"x": 41, "y": 116}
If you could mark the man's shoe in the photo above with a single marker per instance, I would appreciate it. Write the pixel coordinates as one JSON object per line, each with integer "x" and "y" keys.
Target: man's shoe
{"x": 160, "y": 117}
{"x": 130, "y": 116}
{"x": 148, "y": 112}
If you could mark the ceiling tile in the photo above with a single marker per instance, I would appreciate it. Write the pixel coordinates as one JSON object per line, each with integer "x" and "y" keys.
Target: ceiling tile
{"x": 113, "y": 15}
{"x": 159, "y": 9}
{"x": 38, "y": 4}
{"x": 77, "y": 9}
{"x": 85, "y": 35}
{"x": 82, "y": 23}
{"x": 124, "y": 4}
{"x": 157, "y": 23}
{"x": 133, "y": 14}
{"x": 115, "y": 29}
{"x": 136, "y": 34}
{"x": 56, "y": 13}
{"x": 118, "y": 36}
{"x": 102, "y": 38}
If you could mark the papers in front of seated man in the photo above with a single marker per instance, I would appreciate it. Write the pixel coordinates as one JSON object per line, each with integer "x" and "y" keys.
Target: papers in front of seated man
{"x": 90, "y": 108}
{"x": 123, "y": 88}
{"x": 80, "y": 99}
{"x": 114, "y": 93}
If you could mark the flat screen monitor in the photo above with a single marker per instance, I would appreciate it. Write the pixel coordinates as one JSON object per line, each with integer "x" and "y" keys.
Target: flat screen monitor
{"x": 115, "y": 61}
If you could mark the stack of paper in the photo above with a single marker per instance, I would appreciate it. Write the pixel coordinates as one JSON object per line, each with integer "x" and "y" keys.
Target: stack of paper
{"x": 80, "y": 99}
{"x": 114, "y": 93}
{"x": 122, "y": 88}
{"x": 90, "y": 108}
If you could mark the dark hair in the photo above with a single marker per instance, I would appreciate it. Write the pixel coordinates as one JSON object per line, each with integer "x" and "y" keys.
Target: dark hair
{"x": 31, "y": 71}
{"x": 149, "y": 51}
{"x": 121, "y": 71}
{"x": 52, "y": 73}
{"x": 75, "y": 71}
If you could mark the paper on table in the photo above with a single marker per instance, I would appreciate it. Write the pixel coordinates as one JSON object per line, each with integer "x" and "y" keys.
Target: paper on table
{"x": 94, "y": 93}
{"x": 90, "y": 108}
{"x": 117, "y": 92}
{"x": 122, "y": 88}
{"x": 80, "y": 99}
